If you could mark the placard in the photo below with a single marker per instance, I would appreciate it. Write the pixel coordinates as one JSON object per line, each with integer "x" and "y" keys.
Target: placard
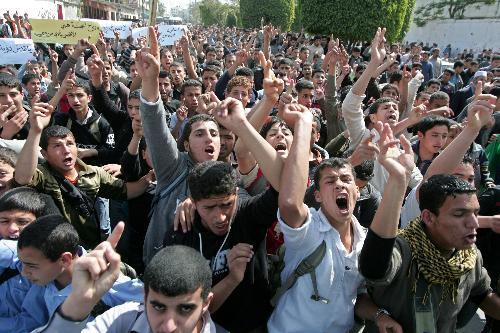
{"x": 108, "y": 27}
{"x": 169, "y": 34}
{"x": 16, "y": 50}
{"x": 64, "y": 31}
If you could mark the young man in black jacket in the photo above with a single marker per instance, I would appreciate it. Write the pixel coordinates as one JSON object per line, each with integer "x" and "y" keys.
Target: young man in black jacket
{"x": 230, "y": 234}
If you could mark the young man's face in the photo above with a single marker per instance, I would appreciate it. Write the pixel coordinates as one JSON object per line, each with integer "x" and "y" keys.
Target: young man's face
{"x": 209, "y": 80}
{"x": 68, "y": 50}
{"x": 305, "y": 97}
{"x": 165, "y": 88}
{"x": 216, "y": 212}
{"x": 6, "y": 175}
{"x": 459, "y": 69}
{"x": 386, "y": 113}
{"x": 434, "y": 139}
{"x": 133, "y": 105}
{"x": 445, "y": 78}
{"x": 465, "y": 172}
{"x": 392, "y": 93}
{"x": 177, "y": 73}
{"x": 78, "y": 100}
{"x": 307, "y": 71}
{"x": 439, "y": 102}
{"x": 423, "y": 98}
{"x": 61, "y": 154}
{"x": 280, "y": 138}
{"x": 230, "y": 60}
{"x": 455, "y": 227}
{"x": 12, "y": 222}
{"x": 211, "y": 56}
{"x": 107, "y": 72}
{"x": 37, "y": 268}
{"x": 337, "y": 193}
{"x": 318, "y": 80}
{"x": 190, "y": 97}
{"x": 10, "y": 96}
{"x": 240, "y": 93}
{"x": 432, "y": 88}
{"x": 181, "y": 314}
{"x": 219, "y": 52}
{"x": 133, "y": 71}
{"x": 166, "y": 59}
{"x": 285, "y": 68}
{"x": 204, "y": 142}
{"x": 33, "y": 87}
{"x": 304, "y": 55}
{"x": 227, "y": 139}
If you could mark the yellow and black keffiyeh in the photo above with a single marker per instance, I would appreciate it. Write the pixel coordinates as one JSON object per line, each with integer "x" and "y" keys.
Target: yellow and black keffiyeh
{"x": 435, "y": 268}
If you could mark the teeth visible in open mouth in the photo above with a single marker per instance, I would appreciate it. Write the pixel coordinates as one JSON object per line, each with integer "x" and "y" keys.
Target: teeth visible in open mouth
{"x": 341, "y": 201}
{"x": 280, "y": 146}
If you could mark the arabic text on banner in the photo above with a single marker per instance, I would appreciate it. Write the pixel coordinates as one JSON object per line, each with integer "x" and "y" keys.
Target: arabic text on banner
{"x": 16, "y": 50}
{"x": 64, "y": 31}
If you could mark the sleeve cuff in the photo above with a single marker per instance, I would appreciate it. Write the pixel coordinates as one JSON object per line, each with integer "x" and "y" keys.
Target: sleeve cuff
{"x": 143, "y": 100}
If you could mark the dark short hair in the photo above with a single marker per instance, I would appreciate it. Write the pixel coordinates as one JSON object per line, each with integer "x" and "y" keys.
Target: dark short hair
{"x": 390, "y": 86}
{"x": 27, "y": 199}
{"x": 190, "y": 83}
{"x": 8, "y": 156}
{"x": 178, "y": 270}
{"x": 163, "y": 74}
{"x": 244, "y": 71}
{"x": 448, "y": 70}
{"x": 8, "y": 80}
{"x": 270, "y": 123}
{"x": 374, "y": 107}
{"x": 84, "y": 84}
{"x": 211, "y": 68}
{"x": 430, "y": 122}
{"x": 319, "y": 70}
{"x": 136, "y": 94}
{"x": 28, "y": 77}
{"x": 458, "y": 63}
{"x": 334, "y": 163}
{"x": 52, "y": 235}
{"x": 186, "y": 132}
{"x": 396, "y": 76}
{"x": 435, "y": 190}
{"x": 285, "y": 61}
{"x": 438, "y": 95}
{"x": 303, "y": 84}
{"x": 212, "y": 178}
{"x": 364, "y": 171}
{"x": 54, "y": 131}
{"x": 433, "y": 81}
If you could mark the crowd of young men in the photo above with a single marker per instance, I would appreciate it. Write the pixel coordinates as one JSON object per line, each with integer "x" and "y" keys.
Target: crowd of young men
{"x": 267, "y": 182}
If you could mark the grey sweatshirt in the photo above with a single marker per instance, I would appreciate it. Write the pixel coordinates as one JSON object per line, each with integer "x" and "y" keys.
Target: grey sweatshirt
{"x": 168, "y": 164}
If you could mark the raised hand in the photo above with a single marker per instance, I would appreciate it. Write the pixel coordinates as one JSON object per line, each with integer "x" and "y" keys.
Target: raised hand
{"x": 230, "y": 114}
{"x": 238, "y": 258}
{"x": 114, "y": 170}
{"x": 398, "y": 163}
{"x": 181, "y": 113}
{"x": 69, "y": 81}
{"x": 137, "y": 128}
{"x": 273, "y": 87}
{"x": 54, "y": 57}
{"x": 93, "y": 275}
{"x": 378, "y": 47}
{"x": 5, "y": 112}
{"x": 207, "y": 103}
{"x": 366, "y": 151}
{"x": 95, "y": 66}
{"x": 480, "y": 111}
{"x": 406, "y": 74}
{"x": 40, "y": 116}
{"x": 148, "y": 66}
{"x": 101, "y": 44}
{"x": 291, "y": 113}
{"x": 241, "y": 57}
{"x": 80, "y": 47}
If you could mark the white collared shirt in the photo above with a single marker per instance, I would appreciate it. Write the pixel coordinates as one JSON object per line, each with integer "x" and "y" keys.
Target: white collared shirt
{"x": 337, "y": 277}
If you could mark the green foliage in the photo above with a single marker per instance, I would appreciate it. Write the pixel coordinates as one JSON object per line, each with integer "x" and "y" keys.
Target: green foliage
{"x": 408, "y": 19}
{"x": 354, "y": 20}
{"x": 297, "y": 22}
{"x": 280, "y": 13}
{"x": 231, "y": 20}
{"x": 446, "y": 9}
{"x": 213, "y": 12}
{"x": 161, "y": 9}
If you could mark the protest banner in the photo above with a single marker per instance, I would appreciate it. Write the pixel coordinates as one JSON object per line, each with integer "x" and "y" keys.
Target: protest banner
{"x": 169, "y": 34}
{"x": 64, "y": 31}
{"x": 108, "y": 27}
{"x": 140, "y": 32}
{"x": 16, "y": 50}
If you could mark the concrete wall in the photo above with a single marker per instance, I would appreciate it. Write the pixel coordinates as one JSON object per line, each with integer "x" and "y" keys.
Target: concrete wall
{"x": 469, "y": 33}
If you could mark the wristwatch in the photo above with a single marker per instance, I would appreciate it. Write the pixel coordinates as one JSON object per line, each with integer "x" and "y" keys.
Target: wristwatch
{"x": 380, "y": 312}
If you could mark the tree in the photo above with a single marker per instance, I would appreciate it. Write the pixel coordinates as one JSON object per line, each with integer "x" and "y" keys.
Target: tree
{"x": 161, "y": 9}
{"x": 213, "y": 12}
{"x": 446, "y": 9}
{"x": 354, "y": 20}
{"x": 408, "y": 19}
{"x": 231, "y": 20}
{"x": 280, "y": 13}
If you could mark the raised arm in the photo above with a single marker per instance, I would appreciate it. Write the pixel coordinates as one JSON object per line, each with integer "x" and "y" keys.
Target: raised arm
{"x": 186, "y": 55}
{"x": 295, "y": 171}
{"x": 28, "y": 157}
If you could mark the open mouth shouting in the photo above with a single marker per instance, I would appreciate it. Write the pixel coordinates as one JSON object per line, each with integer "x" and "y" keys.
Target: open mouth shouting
{"x": 68, "y": 161}
{"x": 210, "y": 151}
{"x": 342, "y": 203}
{"x": 392, "y": 118}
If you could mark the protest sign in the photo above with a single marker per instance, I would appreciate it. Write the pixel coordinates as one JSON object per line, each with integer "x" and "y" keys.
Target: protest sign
{"x": 169, "y": 34}
{"x": 16, "y": 50}
{"x": 64, "y": 31}
{"x": 140, "y": 32}
{"x": 108, "y": 27}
